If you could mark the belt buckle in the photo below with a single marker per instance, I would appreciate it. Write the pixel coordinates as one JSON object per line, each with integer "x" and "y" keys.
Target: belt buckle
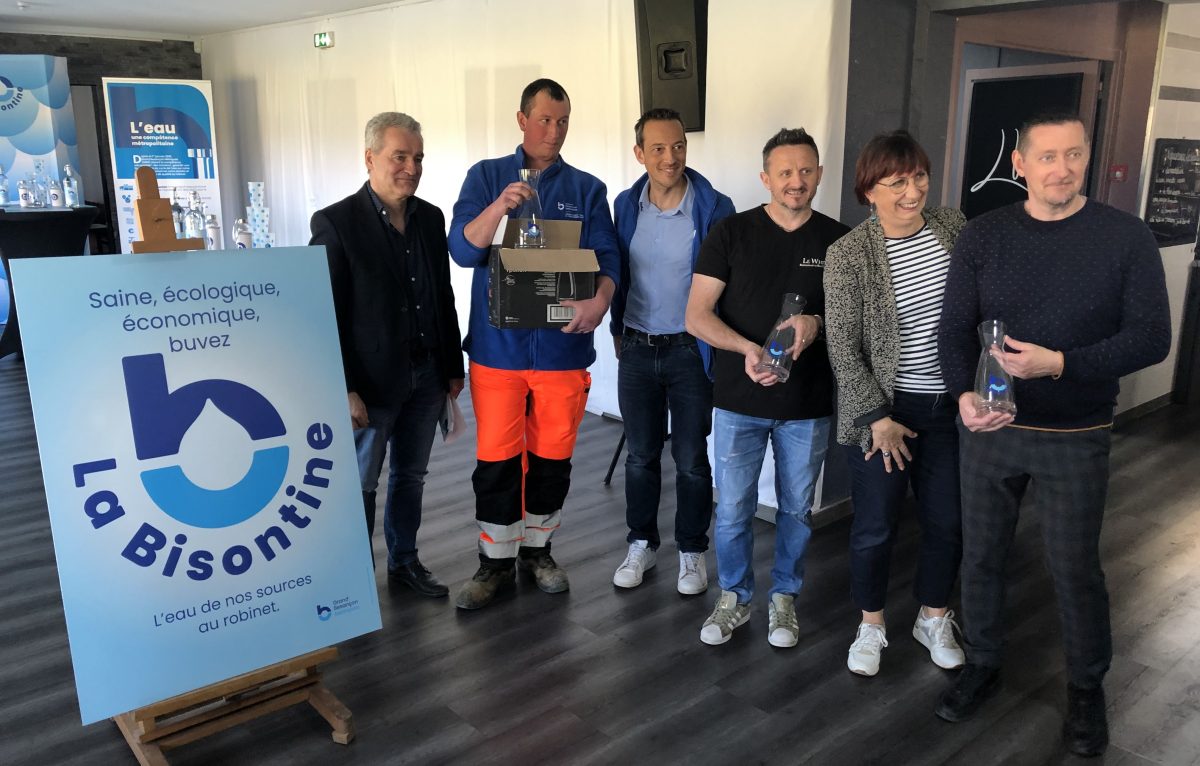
{"x": 650, "y": 340}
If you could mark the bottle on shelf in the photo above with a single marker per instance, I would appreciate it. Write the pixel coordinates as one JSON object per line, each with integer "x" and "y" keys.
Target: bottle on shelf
{"x": 72, "y": 188}
{"x": 4, "y": 198}
{"x": 193, "y": 219}
{"x": 177, "y": 212}
{"x": 25, "y": 194}
{"x": 243, "y": 238}
{"x": 41, "y": 190}
{"x": 38, "y": 190}
{"x": 213, "y": 239}
{"x": 54, "y": 193}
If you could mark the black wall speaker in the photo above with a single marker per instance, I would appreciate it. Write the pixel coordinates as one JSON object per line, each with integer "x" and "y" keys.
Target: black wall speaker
{"x": 672, "y": 43}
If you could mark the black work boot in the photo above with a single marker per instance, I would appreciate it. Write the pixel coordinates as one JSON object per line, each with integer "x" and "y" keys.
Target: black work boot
{"x": 538, "y": 562}
{"x": 416, "y": 576}
{"x": 482, "y": 589}
{"x": 1085, "y": 730}
{"x": 974, "y": 685}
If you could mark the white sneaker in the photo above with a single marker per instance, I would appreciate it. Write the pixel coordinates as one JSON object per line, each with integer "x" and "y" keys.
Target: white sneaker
{"x": 937, "y": 635}
{"x": 693, "y": 574}
{"x": 637, "y": 561}
{"x": 782, "y": 629}
{"x": 866, "y": 649}
{"x": 727, "y": 615}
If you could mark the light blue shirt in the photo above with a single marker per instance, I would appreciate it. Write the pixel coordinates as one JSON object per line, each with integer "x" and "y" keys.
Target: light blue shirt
{"x": 660, "y": 265}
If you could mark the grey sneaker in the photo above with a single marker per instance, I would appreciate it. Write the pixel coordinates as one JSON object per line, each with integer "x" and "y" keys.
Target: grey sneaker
{"x": 482, "y": 589}
{"x": 937, "y": 635}
{"x": 550, "y": 578}
{"x": 693, "y": 574}
{"x": 782, "y": 629}
{"x": 727, "y": 615}
{"x": 639, "y": 559}
{"x": 867, "y": 648}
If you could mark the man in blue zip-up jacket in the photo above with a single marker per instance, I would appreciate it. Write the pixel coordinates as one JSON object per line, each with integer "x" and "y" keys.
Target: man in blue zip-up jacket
{"x": 528, "y": 387}
{"x": 661, "y": 221}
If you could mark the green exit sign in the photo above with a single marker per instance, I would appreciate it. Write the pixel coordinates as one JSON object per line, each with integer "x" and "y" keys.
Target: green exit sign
{"x": 323, "y": 40}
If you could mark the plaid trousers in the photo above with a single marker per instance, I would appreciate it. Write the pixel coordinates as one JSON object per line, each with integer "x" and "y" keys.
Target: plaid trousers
{"x": 1068, "y": 472}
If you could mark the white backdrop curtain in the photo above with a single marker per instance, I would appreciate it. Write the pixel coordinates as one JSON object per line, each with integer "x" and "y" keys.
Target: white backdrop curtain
{"x": 292, "y": 115}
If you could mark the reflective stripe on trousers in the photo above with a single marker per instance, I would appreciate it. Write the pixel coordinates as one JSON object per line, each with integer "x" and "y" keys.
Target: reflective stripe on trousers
{"x": 502, "y": 541}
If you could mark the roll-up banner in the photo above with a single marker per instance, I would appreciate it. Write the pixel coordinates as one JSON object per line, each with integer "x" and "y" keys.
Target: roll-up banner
{"x": 166, "y": 125}
{"x": 37, "y": 126}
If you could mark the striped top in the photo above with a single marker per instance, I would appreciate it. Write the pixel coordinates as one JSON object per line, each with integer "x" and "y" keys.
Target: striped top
{"x": 919, "y": 265}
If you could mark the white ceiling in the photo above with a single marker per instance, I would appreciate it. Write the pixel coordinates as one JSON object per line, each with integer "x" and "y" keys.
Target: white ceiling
{"x": 192, "y": 19}
{"x": 171, "y": 19}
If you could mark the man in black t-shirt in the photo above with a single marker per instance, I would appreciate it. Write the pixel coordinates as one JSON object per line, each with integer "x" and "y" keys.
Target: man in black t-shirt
{"x": 747, "y": 264}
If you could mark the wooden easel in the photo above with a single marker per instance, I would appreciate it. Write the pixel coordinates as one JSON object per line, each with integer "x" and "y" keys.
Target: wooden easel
{"x": 152, "y": 213}
{"x": 177, "y": 721}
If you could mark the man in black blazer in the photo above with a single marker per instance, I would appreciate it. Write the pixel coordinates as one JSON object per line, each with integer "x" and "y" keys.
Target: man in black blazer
{"x": 401, "y": 347}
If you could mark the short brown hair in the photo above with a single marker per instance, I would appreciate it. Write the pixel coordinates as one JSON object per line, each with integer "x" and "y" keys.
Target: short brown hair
{"x": 660, "y": 113}
{"x": 1049, "y": 117}
{"x": 885, "y": 155}
{"x": 555, "y": 91}
{"x": 789, "y": 137}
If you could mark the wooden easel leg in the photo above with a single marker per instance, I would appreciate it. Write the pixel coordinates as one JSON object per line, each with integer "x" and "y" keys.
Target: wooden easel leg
{"x": 147, "y": 753}
{"x": 333, "y": 711}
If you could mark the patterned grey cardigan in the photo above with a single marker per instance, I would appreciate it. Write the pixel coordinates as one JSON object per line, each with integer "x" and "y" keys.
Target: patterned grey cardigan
{"x": 861, "y": 327}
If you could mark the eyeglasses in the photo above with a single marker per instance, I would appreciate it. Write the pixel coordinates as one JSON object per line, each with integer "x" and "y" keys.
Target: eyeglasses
{"x": 919, "y": 180}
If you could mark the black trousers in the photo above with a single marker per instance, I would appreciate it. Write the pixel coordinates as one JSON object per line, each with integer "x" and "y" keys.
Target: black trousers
{"x": 878, "y": 498}
{"x": 1068, "y": 472}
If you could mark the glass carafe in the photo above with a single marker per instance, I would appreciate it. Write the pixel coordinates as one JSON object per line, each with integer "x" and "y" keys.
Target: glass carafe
{"x": 529, "y": 214}
{"x": 992, "y": 383}
{"x": 775, "y": 357}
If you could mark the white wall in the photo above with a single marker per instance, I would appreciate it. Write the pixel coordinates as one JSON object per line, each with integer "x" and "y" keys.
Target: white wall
{"x": 292, "y": 116}
{"x": 1179, "y": 66}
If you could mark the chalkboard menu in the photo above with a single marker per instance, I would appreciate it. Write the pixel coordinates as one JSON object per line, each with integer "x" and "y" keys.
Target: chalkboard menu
{"x": 1173, "y": 201}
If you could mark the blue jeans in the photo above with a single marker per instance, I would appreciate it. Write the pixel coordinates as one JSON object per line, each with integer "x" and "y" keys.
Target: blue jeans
{"x": 651, "y": 380}
{"x": 741, "y": 444}
{"x": 879, "y": 498}
{"x": 408, "y": 428}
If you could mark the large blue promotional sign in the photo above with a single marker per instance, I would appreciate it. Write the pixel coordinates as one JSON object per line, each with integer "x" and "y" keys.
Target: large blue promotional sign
{"x": 37, "y": 121}
{"x": 199, "y": 465}
{"x": 166, "y": 125}
{"x": 37, "y": 126}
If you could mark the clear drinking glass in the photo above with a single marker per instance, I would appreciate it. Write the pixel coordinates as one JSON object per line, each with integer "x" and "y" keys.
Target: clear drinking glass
{"x": 529, "y": 214}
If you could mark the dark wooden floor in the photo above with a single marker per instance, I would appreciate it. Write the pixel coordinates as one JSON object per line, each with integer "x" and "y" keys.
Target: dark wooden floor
{"x": 603, "y": 676}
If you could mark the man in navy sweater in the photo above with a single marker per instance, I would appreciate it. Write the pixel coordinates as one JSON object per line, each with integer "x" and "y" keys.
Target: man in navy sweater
{"x": 1080, "y": 288}
{"x": 661, "y": 221}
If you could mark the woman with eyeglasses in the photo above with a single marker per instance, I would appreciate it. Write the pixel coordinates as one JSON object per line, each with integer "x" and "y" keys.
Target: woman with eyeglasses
{"x": 895, "y": 420}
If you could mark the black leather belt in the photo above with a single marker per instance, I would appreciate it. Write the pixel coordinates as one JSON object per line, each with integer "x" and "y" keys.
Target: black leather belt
{"x": 673, "y": 339}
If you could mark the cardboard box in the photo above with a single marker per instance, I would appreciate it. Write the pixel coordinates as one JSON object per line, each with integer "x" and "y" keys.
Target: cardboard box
{"x": 526, "y": 286}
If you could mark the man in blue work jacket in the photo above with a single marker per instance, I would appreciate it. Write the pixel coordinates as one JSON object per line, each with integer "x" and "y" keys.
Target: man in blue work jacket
{"x": 528, "y": 386}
